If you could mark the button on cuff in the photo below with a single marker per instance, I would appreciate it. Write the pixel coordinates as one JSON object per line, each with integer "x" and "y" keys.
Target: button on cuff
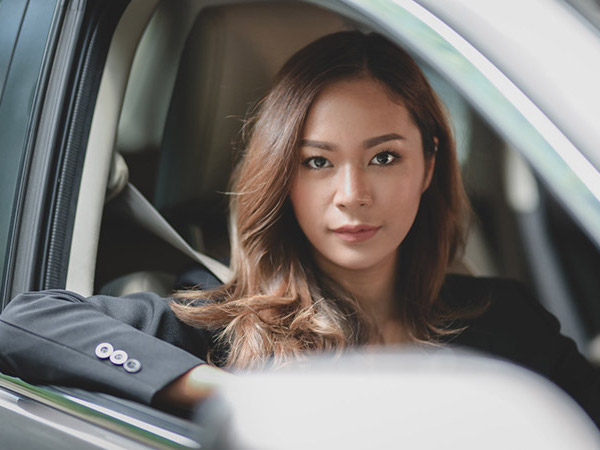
{"x": 104, "y": 350}
{"x": 118, "y": 357}
{"x": 132, "y": 366}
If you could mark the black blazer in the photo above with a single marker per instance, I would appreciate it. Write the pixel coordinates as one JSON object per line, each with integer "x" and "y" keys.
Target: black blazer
{"x": 59, "y": 337}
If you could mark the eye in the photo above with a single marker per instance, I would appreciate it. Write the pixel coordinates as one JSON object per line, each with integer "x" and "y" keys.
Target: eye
{"x": 384, "y": 158}
{"x": 317, "y": 162}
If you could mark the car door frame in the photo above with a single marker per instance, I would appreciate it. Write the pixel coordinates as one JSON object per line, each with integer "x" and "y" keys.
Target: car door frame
{"x": 43, "y": 215}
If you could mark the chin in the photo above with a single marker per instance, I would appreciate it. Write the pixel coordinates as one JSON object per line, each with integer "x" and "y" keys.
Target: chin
{"x": 357, "y": 262}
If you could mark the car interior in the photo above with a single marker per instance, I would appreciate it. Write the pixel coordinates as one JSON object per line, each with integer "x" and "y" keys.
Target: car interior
{"x": 181, "y": 79}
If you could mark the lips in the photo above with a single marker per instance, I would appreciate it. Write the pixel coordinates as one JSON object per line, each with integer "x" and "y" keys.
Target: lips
{"x": 356, "y": 233}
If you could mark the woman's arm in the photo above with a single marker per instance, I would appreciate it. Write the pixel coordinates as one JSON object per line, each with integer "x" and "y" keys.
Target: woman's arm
{"x": 193, "y": 386}
{"x": 130, "y": 346}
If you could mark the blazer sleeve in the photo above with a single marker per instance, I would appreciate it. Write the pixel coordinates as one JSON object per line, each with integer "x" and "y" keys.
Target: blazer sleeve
{"x": 60, "y": 337}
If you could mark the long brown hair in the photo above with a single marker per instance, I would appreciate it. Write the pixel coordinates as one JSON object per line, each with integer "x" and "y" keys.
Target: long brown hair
{"x": 278, "y": 305}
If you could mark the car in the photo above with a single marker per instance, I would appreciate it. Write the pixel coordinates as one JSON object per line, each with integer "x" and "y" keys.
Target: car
{"x": 98, "y": 96}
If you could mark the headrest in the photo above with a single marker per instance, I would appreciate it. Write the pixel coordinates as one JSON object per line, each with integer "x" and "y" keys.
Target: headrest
{"x": 230, "y": 58}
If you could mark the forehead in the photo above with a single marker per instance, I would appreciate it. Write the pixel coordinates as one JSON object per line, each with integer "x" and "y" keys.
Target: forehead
{"x": 362, "y": 104}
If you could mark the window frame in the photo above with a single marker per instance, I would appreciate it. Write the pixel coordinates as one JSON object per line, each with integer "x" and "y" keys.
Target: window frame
{"x": 21, "y": 106}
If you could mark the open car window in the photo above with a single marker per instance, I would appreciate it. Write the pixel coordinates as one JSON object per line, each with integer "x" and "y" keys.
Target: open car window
{"x": 179, "y": 134}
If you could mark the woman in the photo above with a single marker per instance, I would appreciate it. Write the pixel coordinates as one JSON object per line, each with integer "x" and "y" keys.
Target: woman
{"x": 348, "y": 208}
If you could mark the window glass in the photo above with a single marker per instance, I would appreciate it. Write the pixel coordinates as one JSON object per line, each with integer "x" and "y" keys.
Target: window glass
{"x": 24, "y": 28}
{"x": 11, "y": 14}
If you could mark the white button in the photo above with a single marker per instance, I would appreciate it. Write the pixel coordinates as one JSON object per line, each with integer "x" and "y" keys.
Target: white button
{"x": 104, "y": 350}
{"x": 118, "y": 357}
{"x": 132, "y": 366}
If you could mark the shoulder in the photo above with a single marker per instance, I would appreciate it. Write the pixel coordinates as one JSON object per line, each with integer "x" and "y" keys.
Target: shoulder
{"x": 464, "y": 288}
{"x": 517, "y": 328}
{"x": 513, "y": 324}
{"x": 510, "y": 317}
{"x": 506, "y": 300}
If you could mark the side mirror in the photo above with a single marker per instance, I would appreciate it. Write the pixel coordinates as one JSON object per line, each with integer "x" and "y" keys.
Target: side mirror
{"x": 425, "y": 400}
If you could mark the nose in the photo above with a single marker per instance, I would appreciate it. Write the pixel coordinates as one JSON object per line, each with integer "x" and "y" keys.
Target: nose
{"x": 353, "y": 189}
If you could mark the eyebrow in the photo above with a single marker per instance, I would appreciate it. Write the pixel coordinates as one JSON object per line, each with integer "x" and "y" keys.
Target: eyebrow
{"x": 371, "y": 142}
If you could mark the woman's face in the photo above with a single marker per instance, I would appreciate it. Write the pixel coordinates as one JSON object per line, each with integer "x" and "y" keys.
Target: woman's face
{"x": 360, "y": 178}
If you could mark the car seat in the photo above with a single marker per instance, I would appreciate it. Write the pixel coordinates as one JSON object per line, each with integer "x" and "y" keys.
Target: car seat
{"x": 228, "y": 61}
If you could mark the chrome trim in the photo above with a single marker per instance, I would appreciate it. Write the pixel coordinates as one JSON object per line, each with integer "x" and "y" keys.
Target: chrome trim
{"x": 174, "y": 437}
{"x": 120, "y": 424}
{"x": 12, "y": 403}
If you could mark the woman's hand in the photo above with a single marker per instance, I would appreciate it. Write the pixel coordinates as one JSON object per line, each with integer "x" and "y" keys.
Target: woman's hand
{"x": 193, "y": 386}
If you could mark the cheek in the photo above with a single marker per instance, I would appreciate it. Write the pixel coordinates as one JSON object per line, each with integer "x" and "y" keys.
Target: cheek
{"x": 400, "y": 200}
{"x": 402, "y": 188}
{"x": 304, "y": 201}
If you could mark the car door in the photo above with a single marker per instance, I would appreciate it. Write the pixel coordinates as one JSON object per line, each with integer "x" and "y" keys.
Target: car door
{"x": 52, "y": 60}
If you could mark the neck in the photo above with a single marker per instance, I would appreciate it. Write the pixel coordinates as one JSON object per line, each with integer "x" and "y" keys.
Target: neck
{"x": 373, "y": 287}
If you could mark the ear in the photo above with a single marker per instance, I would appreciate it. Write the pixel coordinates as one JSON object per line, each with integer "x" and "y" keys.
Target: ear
{"x": 430, "y": 166}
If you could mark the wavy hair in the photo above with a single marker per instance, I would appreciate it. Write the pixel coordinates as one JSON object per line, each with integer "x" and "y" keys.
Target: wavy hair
{"x": 278, "y": 305}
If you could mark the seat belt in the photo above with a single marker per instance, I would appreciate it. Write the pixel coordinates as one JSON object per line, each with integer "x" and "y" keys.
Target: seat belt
{"x": 135, "y": 206}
